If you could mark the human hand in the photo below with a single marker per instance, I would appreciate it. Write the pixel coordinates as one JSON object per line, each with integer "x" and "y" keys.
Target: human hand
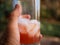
{"x": 14, "y": 34}
{"x": 13, "y": 37}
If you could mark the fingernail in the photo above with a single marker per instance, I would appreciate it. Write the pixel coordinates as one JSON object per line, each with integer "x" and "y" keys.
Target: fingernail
{"x": 16, "y": 6}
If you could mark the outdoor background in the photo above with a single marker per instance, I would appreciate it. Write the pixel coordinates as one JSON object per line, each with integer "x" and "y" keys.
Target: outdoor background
{"x": 49, "y": 18}
{"x": 50, "y": 21}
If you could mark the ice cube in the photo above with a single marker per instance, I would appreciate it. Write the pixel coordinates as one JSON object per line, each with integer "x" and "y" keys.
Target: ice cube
{"x": 23, "y": 21}
{"x": 35, "y": 22}
{"x": 34, "y": 27}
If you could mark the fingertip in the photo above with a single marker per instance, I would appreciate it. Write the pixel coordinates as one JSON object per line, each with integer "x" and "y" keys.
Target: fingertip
{"x": 16, "y": 6}
{"x": 41, "y": 36}
{"x": 26, "y": 16}
{"x": 29, "y": 16}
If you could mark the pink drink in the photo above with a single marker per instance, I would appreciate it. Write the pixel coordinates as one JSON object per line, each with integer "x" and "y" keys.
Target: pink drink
{"x": 29, "y": 31}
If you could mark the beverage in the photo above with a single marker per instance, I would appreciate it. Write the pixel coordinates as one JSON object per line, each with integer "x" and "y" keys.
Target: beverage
{"x": 29, "y": 31}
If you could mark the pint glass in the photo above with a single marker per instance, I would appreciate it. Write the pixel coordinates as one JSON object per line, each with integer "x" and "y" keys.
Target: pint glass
{"x": 29, "y": 29}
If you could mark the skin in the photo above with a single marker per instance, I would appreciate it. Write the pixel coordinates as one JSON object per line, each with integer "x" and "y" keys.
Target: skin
{"x": 12, "y": 35}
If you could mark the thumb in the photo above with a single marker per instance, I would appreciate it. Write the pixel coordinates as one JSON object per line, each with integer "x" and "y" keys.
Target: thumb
{"x": 16, "y": 12}
{"x": 19, "y": 7}
{"x": 16, "y": 6}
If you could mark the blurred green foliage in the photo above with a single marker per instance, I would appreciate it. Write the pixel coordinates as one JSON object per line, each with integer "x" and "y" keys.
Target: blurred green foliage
{"x": 50, "y": 29}
{"x": 50, "y": 10}
{"x": 5, "y": 8}
{"x": 45, "y": 13}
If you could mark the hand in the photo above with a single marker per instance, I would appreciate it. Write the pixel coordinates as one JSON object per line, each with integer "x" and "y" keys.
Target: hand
{"x": 14, "y": 34}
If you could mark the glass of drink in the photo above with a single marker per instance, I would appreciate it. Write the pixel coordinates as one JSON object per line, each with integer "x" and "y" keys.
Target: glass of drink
{"x": 29, "y": 31}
